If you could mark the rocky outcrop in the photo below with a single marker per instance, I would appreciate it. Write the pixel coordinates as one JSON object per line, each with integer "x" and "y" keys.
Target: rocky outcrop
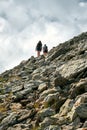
{"x": 47, "y": 93}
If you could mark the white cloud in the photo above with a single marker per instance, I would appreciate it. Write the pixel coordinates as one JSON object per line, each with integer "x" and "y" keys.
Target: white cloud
{"x": 83, "y": 3}
{"x": 24, "y": 22}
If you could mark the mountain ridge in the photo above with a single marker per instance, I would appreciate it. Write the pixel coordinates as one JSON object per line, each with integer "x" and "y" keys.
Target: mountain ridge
{"x": 47, "y": 93}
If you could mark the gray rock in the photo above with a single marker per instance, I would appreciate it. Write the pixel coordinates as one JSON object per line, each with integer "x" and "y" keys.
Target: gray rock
{"x": 21, "y": 94}
{"x": 42, "y": 87}
{"x": 45, "y": 113}
{"x": 47, "y": 122}
{"x": 49, "y": 91}
{"x": 17, "y": 88}
{"x": 66, "y": 107}
{"x": 72, "y": 67}
{"x": 53, "y": 127}
{"x": 9, "y": 120}
{"x": 51, "y": 99}
{"x": 82, "y": 110}
{"x": 85, "y": 124}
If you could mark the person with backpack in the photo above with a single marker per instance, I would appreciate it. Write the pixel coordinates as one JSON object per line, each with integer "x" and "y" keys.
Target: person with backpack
{"x": 39, "y": 48}
{"x": 45, "y": 49}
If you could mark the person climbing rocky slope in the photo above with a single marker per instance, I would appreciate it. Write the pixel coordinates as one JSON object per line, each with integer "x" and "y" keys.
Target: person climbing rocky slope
{"x": 47, "y": 93}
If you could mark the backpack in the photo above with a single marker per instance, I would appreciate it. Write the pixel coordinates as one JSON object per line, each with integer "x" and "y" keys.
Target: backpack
{"x": 45, "y": 48}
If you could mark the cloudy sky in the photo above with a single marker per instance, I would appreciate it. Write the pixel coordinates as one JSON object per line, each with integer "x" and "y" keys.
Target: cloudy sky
{"x": 24, "y": 22}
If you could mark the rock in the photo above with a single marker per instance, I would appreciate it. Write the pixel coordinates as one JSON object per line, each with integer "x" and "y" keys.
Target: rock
{"x": 31, "y": 85}
{"x": 77, "y": 109}
{"x": 47, "y": 93}
{"x": 21, "y": 94}
{"x": 59, "y": 81}
{"x": 82, "y": 111}
{"x": 67, "y": 127}
{"x": 22, "y": 73}
{"x": 2, "y": 98}
{"x": 19, "y": 127}
{"x": 36, "y": 76}
{"x": 45, "y": 113}
{"x": 66, "y": 107}
{"x": 15, "y": 89}
{"x": 42, "y": 87}
{"x": 15, "y": 106}
{"x": 72, "y": 126}
{"x": 51, "y": 99}
{"x": 81, "y": 129}
{"x": 53, "y": 127}
{"x": 9, "y": 120}
{"x": 78, "y": 88}
{"x": 72, "y": 67}
{"x": 25, "y": 114}
{"x": 82, "y": 84}
{"x": 47, "y": 122}
{"x": 85, "y": 124}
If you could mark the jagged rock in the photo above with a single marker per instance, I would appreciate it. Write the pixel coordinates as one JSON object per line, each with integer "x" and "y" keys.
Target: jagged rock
{"x": 19, "y": 127}
{"x": 36, "y": 76}
{"x": 47, "y": 93}
{"x": 81, "y": 129}
{"x": 66, "y": 107}
{"x": 82, "y": 111}
{"x": 75, "y": 111}
{"x": 30, "y": 105}
{"x": 2, "y": 116}
{"x": 78, "y": 88}
{"x": 51, "y": 99}
{"x": 17, "y": 88}
{"x": 15, "y": 106}
{"x": 85, "y": 124}
{"x": 53, "y": 127}
{"x": 68, "y": 127}
{"x": 45, "y": 113}
{"x": 81, "y": 99}
{"x": 30, "y": 85}
{"x": 47, "y": 122}
{"x": 21, "y": 94}
{"x": 59, "y": 81}
{"x": 25, "y": 114}
{"x": 22, "y": 74}
{"x": 42, "y": 87}
{"x": 9, "y": 120}
{"x": 72, "y": 67}
{"x": 37, "y": 71}
{"x": 82, "y": 84}
{"x": 2, "y": 97}
{"x": 72, "y": 126}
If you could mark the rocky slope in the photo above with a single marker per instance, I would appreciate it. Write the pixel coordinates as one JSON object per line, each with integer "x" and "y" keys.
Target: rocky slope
{"x": 47, "y": 93}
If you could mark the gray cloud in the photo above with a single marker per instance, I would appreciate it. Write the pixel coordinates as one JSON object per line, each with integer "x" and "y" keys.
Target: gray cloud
{"x": 24, "y": 22}
{"x": 83, "y": 1}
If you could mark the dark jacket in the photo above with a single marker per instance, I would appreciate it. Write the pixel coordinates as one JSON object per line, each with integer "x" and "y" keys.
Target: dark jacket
{"x": 39, "y": 46}
{"x": 45, "y": 49}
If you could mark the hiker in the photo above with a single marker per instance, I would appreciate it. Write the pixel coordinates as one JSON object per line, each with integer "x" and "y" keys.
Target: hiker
{"x": 45, "y": 49}
{"x": 39, "y": 48}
